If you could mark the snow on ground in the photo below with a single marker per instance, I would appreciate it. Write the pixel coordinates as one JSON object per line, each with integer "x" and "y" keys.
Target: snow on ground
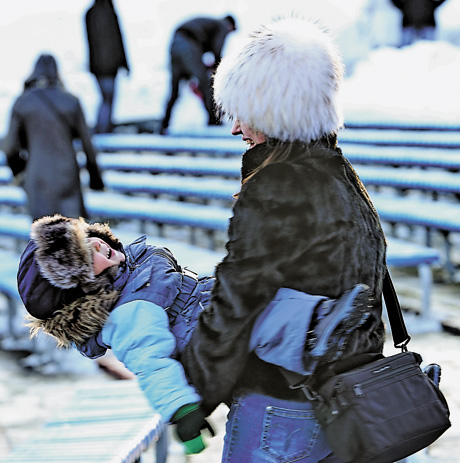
{"x": 416, "y": 84}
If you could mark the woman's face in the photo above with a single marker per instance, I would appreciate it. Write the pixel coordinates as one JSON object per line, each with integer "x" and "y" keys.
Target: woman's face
{"x": 250, "y": 136}
{"x": 103, "y": 255}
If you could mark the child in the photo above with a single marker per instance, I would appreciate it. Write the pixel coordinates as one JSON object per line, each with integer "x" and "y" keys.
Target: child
{"x": 81, "y": 286}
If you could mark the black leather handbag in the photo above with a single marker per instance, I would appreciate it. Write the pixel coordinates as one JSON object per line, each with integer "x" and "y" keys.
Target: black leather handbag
{"x": 379, "y": 409}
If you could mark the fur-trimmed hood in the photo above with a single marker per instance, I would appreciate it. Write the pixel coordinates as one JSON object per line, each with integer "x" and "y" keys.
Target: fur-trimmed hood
{"x": 77, "y": 322}
{"x": 284, "y": 82}
{"x": 63, "y": 252}
{"x": 56, "y": 280}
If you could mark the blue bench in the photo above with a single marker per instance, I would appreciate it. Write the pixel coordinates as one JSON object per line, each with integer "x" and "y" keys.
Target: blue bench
{"x": 17, "y": 226}
{"x": 6, "y": 176}
{"x": 431, "y": 215}
{"x": 425, "y": 213}
{"x": 224, "y": 144}
{"x": 433, "y": 181}
{"x": 443, "y": 216}
{"x": 13, "y": 333}
{"x": 106, "y": 206}
{"x": 106, "y": 422}
{"x": 147, "y": 142}
{"x": 366, "y": 150}
{"x": 171, "y": 185}
{"x": 216, "y": 219}
{"x": 420, "y": 125}
{"x": 434, "y": 138}
{"x": 400, "y": 253}
{"x": 185, "y": 165}
{"x": 402, "y": 156}
{"x": 394, "y": 137}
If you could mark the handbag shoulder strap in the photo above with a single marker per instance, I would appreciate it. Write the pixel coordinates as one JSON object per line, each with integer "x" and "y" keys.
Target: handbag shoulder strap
{"x": 53, "y": 108}
{"x": 398, "y": 328}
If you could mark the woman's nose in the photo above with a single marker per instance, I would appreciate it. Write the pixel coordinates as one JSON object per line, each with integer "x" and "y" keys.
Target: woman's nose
{"x": 236, "y": 129}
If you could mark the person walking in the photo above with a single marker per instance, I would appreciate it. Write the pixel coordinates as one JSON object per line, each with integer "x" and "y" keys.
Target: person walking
{"x": 302, "y": 220}
{"x": 106, "y": 56}
{"x": 418, "y": 21}
{"x": 45, "y": 120}
{"x": 190, "y": 42}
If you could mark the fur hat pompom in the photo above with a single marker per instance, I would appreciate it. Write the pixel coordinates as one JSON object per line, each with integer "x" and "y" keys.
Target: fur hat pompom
{"x": 284, "y": 81}
{"x": 63, "y": 252}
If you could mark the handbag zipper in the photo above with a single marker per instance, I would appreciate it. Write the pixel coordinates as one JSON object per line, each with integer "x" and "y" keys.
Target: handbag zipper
{"x": 358, "y": 387}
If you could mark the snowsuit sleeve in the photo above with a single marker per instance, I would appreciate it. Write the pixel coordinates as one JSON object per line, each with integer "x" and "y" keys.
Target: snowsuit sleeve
{"x": 279, "y": 334}
{"x": 138, "y": 333}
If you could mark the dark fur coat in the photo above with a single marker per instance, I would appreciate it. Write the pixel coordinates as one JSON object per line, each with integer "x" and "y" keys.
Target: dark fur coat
{"x": 305, "y": 223}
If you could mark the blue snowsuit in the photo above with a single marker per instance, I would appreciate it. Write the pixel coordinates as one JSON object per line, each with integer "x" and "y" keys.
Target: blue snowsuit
{"x": 155, "y": 315}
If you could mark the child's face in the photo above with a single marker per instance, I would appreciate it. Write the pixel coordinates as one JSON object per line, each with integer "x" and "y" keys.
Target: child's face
{"x": 103, "y": 255}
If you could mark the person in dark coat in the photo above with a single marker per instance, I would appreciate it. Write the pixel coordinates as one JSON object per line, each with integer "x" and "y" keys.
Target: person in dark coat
{"x": 418, "y": 21}
{"x": 106, "y": 56}
{"x": 190, "y": 42}
{"x": 45, "y": 121}
{"x": 302, "y": 220}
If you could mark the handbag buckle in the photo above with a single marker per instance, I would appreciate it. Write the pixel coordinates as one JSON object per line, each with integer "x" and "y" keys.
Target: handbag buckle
{"x": 310, "y": 394}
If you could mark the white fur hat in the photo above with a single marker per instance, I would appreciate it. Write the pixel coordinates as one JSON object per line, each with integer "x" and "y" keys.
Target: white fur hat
{"x": 284, "y": 82}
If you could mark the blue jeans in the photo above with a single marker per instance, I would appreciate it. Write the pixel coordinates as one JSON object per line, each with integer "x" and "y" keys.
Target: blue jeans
{"x": 410, "y": 35}
{"x": 104, "y": 118}
{"x": 264, "y": 429}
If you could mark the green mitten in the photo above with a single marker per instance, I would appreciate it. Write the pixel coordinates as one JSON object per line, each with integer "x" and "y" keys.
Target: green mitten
{"x": 189, "y": 421}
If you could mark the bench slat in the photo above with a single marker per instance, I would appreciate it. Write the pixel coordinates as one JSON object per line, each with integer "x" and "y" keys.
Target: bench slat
{"x": 92, "y": 429}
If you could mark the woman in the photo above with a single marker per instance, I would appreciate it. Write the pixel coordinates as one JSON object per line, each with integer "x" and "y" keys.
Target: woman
{"x": 302, "y": 220}
{"x": 45, "y": 121}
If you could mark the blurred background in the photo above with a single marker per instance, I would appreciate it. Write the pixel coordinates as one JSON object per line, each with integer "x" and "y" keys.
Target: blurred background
{"x": 397, "y": 83}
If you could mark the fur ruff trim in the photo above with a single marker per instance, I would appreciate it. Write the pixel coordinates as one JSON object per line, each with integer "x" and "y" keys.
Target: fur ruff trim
{"x": 78, "y": 321}
{"x": 64, "y": 254}
{"x": 284, "y": 82}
